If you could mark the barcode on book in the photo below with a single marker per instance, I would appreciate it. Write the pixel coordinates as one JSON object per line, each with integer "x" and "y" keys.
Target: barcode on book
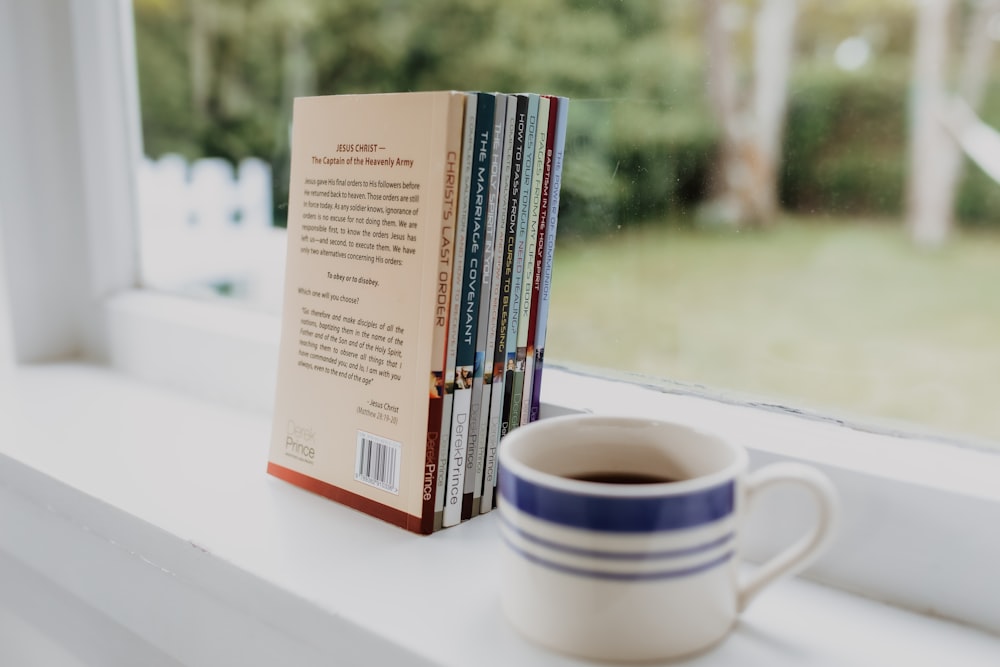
{"x": 377, "y": 462}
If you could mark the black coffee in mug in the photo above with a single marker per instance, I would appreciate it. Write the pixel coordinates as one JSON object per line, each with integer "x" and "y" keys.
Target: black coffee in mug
{"x": 622, "y": 478}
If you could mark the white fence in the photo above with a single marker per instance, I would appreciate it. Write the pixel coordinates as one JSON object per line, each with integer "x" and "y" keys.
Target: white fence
{"x": 207, "y": 226}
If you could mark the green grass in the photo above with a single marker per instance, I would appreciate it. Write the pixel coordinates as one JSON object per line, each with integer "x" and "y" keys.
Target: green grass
{"x": 848, "y": 317}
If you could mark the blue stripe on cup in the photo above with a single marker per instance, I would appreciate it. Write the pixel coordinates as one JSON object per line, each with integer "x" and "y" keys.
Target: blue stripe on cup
{"x": 590, "y": 573}
{"x": 618, "y": 514}
{"x": 654, "y": 554}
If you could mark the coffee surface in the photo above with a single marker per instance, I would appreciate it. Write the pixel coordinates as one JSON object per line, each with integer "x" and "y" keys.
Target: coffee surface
{"x": 622, "y": 478}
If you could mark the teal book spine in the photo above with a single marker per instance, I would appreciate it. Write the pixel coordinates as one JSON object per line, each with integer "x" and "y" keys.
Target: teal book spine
{"x": 472, "y": 342}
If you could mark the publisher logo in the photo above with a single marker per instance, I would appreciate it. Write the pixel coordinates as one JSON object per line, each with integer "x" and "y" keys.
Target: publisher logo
{"x": 300, "y": 442}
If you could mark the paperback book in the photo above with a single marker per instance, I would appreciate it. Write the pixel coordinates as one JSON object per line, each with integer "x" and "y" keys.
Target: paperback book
{"x": 524, "y": 149}
{"x": 453, "y": 441}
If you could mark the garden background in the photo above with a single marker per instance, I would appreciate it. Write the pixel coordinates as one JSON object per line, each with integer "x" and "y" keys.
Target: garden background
{"x": 763, "y": 199}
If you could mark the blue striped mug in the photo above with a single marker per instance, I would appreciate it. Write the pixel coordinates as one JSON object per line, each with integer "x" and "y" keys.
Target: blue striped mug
{"x": 622, "y": 535}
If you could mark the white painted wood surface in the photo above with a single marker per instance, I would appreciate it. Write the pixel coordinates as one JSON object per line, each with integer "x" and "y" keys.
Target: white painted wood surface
{"x": 153, "y": 512}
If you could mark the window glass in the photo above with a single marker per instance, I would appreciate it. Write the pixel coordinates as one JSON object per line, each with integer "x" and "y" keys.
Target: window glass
{"x": 779, "y": 199}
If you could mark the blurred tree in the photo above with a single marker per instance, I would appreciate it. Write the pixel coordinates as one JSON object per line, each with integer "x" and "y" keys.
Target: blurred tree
{"x": 161, "y": 28}
{"x": 935, "y": 156}
{"x": 750, "y": 116}
{"x": 217, "y": 78}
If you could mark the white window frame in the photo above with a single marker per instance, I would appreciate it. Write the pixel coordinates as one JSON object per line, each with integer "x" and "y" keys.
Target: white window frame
{"x": 922, "y": 518}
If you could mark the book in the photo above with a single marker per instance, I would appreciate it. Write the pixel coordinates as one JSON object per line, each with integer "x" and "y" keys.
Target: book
{"x": 510, "y": 414}
{"x": 552, "y": 225}
{"x": 373, "y": 201}
{"x": 482, "y": 235}
{"x": 464, "y": 415}
{"x": 455, "y": 442}
{"x": 517, "y": 111}
{"x": 420, "y": 238}
{"x": 528, "y": 272}
{"x": 503, "y": 254}
{"x": 538, "y": 257}
{"x": 482, "y": 382}
{"x": 546, "y": 247}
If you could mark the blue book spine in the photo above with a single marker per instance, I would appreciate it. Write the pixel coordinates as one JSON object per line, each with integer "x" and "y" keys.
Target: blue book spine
{"x": 492, "y": 268}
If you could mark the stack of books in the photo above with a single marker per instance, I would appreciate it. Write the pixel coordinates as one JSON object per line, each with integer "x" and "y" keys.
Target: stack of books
{"x": 421, "y": 231}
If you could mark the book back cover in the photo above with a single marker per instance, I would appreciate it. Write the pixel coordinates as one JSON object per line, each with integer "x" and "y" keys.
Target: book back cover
{"x": 370, "y": 226}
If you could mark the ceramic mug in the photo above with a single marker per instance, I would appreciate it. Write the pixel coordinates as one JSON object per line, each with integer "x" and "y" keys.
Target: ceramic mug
{"x": 622, "y": 535}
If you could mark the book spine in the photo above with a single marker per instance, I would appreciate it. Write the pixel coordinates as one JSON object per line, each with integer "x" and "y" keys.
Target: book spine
{"x": 510, "y": 415}
{"x": 475, "y": 273}
{"x": 463, "y": 331}
{"x": 442, "y": 469}
{"x": 458, "y": 273}
{"x": 482, "y": 380}
{"x": 442, "y": 298}
{"x": 506, "y": 236}
{"x": 538, "y": 271}
{"x": 550, "y": 242}
{"x": 497, "y": 203}
{"x": 522, "y": 382}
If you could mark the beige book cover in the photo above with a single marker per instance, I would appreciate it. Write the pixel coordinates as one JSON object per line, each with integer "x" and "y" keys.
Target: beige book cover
{"x": 371, "y": 223}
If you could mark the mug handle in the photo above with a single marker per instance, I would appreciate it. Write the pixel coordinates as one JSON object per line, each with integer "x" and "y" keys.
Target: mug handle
{"x": 803, "y": 552}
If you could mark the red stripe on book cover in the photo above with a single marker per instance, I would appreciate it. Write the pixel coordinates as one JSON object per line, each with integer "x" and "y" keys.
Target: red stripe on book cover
{"x": 345, "y": 497}
{"x": 436, "y": 404}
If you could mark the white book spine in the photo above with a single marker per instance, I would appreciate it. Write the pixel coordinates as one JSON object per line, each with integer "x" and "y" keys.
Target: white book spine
{"x": 468, "y": 134}
{"x": 460, "y": 408}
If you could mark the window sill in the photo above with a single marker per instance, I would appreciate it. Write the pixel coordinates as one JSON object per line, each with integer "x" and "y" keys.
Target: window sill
{"x": 150, "y": 514}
